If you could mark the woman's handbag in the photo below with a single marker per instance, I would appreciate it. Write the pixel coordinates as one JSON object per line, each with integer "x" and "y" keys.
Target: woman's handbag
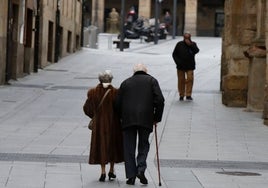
{"x": 90, "y": 124}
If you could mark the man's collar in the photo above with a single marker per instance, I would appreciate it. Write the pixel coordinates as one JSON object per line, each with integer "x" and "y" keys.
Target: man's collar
{"x": 139, "y": 72}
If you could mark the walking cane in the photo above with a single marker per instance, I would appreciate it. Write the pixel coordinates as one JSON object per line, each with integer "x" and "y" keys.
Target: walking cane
{"x": 157, "y": 156}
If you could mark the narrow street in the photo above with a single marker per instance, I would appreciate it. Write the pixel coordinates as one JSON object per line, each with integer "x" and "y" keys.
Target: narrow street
{"x": 44, "y": 140}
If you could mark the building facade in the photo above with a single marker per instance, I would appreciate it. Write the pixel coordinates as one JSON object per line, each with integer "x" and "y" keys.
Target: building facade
{"x": 244, "y": 81}
{"x": 36, "y": 33}
{"x": 200, "y": 17}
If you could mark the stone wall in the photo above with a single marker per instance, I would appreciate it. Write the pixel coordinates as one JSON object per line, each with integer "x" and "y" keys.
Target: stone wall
{"x": 190, "y": 16}
{"x": 244, "y": 69}
{"x": 239, "y": 32}
{"x": 265, "y": 111}
{"x": 3, "y": 36}
{"x": 22, "y": 38}
{"x": 70, "y": 23}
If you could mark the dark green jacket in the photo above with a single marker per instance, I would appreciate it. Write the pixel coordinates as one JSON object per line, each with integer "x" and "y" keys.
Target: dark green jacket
{"x": 140, "y": 101}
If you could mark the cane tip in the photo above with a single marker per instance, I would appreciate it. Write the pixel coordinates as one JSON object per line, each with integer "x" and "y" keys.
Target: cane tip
{"x": 160, "y": 184}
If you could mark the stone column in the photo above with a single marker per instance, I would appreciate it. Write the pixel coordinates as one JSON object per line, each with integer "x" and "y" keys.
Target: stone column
{"x": 265, "y": 111}
{"x": 261, "y": 8}
{"x": 3, "y": 38}
{"x": 191, "y": 16}
{"x": 145, "y": 8}
{"x": 239, "y": 32}
{"x": 256, "y": 77}
{"x": 98, "y": 14}
{"x": 257, "y": 65}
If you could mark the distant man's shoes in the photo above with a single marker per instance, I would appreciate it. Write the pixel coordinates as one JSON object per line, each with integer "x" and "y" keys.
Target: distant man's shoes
{"x": 181, "y": 98}
{"x": 131, "y": 181}
{"x": 142, "y": 178}
{"x": 189, "y": 98}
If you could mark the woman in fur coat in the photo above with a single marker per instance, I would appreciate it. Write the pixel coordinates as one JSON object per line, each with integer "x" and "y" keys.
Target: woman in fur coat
{"x": 106, "y": 138}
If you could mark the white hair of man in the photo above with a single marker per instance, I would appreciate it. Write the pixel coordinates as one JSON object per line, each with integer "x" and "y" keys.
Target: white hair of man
{"x": 140, "y": 67}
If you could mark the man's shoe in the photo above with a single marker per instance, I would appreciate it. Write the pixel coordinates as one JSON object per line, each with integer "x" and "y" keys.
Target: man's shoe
{"x": 189, "y": 98}
{"x": 142, "y": 178}
{"x": 131, "y": 181}
{"x": 181, "y": 98}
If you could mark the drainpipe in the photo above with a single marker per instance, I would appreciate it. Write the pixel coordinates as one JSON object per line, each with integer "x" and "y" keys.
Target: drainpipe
{"x": 9, "y": 43}
{"x": 36, "y": 36}
{"x": 156, "y": 26}
{"x": 174, "y": 19}
{"x": 82, "y": 24}
{"x": 122, "y": 34}
{"x": 57, "y": 37}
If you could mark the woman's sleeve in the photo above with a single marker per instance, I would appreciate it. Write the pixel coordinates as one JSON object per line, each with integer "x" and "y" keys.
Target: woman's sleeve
{"x": 89, "y": 104}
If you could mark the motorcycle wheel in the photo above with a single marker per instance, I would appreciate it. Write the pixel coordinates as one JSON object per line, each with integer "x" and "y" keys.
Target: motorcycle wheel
{"x": 149, "y": 39}
{"x": 164, "y": 36}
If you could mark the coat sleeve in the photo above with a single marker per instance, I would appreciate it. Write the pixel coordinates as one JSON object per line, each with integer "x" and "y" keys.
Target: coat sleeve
{"x": 89, "y": 104}
{"x": 158, "y": 102}
{"x": 194, "y": 48}
{"x": 117, "y": 102}
{"x": 175, "y": 54}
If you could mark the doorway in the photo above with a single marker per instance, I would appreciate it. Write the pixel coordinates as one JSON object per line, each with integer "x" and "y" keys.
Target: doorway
{"x": 28, "y": 42}
{"x": 219, "y": 23}
{"x": 69, "y": 42}
{"x": 50, "y": 42}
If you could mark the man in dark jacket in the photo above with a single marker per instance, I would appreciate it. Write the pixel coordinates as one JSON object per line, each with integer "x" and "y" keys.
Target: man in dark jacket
{"x": 140, "y": 103}
{"x": 184, "y": 57}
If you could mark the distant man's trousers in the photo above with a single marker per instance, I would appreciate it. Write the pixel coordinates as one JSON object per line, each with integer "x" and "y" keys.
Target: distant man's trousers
{"x": 185, "y": 82}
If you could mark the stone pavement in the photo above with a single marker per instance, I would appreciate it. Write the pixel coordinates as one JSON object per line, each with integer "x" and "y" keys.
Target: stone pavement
{"x": 44, "y": 141}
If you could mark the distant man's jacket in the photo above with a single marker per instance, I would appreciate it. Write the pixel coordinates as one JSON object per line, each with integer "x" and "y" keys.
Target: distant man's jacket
{"x": 184, "y": 55}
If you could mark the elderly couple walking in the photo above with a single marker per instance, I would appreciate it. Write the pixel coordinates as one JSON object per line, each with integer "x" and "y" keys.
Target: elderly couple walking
{"x": 124, "y": 114}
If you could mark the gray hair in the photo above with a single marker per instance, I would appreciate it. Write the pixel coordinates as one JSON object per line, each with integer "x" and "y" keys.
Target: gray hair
{"x": 140, "y": 67}
{"x": 106, "y": 76}
{"x": 187, "y": 34}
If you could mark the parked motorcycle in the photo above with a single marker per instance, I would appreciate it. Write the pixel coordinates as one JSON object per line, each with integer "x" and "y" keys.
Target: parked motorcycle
{"x": 143, "y": 29}
{"x": 161, "y": 34}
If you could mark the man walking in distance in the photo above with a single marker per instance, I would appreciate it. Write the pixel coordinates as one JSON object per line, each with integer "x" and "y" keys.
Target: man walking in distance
{"x": 140, "y": 104}
{"x": 184, "y": 57}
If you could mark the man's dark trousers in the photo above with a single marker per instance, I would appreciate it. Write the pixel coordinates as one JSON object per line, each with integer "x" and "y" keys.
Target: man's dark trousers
{"x": 130, "y": 139}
